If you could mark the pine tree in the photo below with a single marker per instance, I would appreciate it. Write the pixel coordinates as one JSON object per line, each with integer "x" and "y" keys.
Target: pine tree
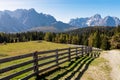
{"x": 105, "y": 43}
{"x": 90, "y": 40}
{"x": 117, "y": 30}
{"x": 67, "y": 39}
{"x": 75, "y": 40}
{"x": 115, "y": 41}
{"x": 96, "y": 40}
{"x": 48, "y": 36}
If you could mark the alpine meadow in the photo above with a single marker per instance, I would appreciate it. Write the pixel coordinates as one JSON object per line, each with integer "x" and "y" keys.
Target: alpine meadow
{"x": 60, "y": 40}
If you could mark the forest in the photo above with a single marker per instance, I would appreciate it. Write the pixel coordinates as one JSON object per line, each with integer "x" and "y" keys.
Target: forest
{"x": 101, "y": 37}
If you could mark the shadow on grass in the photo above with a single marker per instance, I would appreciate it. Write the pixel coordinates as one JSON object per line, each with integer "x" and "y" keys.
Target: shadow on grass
{"x": 77, "y": 65}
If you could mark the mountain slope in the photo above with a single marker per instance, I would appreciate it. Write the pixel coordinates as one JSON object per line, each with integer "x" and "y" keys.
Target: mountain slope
{"x": 24, "y": 20}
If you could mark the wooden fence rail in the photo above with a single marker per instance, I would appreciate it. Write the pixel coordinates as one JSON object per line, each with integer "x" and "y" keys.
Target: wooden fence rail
{"x": 40, "y": 59}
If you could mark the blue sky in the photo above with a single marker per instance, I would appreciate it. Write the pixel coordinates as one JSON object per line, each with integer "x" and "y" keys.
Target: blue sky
{"x": 64, "y": 10}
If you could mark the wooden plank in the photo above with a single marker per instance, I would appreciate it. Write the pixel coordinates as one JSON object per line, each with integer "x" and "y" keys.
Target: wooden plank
{"x": 46, "y": 52}
{"x": 73, "y": 54}
{"x": 15, "y": 66}
{"x": 61, "y": 54}
{"x": 73, "y": 48}
{"x": 46, "y": 57}
{"x": 63, "y": 57}
{"x": 63, "y": 49}
{"x": 40, "y": 71}
{"x": 15, "y": 58}
{"x": 79, "y": 51}
{"x": 72, "y": 51}
{"x": 46, "y": 63}
{"x": 63, "y": 62}
{"x": 16, "y": 74}
{"x": 73, "y": 57}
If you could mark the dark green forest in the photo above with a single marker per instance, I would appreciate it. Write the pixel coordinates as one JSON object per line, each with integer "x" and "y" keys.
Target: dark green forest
{"x": 101, "y": 37}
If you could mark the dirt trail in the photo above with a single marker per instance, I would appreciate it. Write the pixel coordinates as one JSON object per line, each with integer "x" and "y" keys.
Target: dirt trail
{"x": 113, "y": 56}
{"x": 106, "y": 67}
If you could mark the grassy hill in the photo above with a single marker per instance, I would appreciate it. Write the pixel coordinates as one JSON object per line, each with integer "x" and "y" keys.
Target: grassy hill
{"x": 12, "y": 49}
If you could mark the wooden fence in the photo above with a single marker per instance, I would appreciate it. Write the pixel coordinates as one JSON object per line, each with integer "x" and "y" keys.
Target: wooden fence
{"x": 40, "y": 59}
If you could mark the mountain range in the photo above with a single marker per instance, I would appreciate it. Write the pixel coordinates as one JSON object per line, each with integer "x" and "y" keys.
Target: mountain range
{"x": 95, "y": 20}
{"x": 22, "y": 20}
{"x": 26, "y": 20}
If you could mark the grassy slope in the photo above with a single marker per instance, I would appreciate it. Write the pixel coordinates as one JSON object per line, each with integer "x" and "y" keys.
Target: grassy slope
{"x": 98, "y": 68}
{"x": 12, "y": 49}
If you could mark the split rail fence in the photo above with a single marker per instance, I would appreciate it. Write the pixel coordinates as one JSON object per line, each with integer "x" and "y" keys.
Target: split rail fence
{"x": 39, "y": 62}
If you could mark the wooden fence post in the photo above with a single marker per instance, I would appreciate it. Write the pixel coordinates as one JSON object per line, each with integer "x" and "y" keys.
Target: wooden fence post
{"x": 57, "y": 56}
{"x": 82, "y": 51}
{"x": 91, "y": 51}
{"x": 35, "y": 58}
{"x": 88, "y": 50}
{"x": 76, "y": 52}
{"x": 69, "y": 56}
{"x": 85, "y": 49}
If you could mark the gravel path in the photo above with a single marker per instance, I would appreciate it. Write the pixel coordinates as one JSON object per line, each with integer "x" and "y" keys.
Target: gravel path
{"x": 113, "y": 56}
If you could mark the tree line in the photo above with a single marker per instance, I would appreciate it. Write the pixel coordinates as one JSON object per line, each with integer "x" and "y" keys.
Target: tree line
{"x": 100, "y": 37}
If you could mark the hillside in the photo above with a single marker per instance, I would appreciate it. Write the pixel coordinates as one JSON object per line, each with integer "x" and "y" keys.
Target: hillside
{"x": 21, "y": 20}
{"x": 88, "y": 30}
{"x": 13, "y": 49}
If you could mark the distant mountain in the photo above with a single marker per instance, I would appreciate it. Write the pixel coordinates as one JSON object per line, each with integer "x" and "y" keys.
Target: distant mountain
{"x": 95, "y": 20}
{"x": 24, "y": 20}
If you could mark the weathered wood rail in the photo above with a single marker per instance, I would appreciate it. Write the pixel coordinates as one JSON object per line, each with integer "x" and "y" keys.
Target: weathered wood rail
{"x": 37, "y": 60}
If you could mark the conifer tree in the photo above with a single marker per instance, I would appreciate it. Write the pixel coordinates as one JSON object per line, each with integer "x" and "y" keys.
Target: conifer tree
{"x": 48, "y": 36}
{"x": 96, "y": 40}
{"x": 105, "y": 43}
{"x": 115, "y": 41}
{"x": 90, "y": 40}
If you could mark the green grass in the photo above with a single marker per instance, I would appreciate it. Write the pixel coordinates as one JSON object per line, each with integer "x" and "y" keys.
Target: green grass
{"x": 100, "y": 68}
{"x": 98, "y": 61}
{"x": 103, "y": 62}
{"x": 13, "y": 49}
